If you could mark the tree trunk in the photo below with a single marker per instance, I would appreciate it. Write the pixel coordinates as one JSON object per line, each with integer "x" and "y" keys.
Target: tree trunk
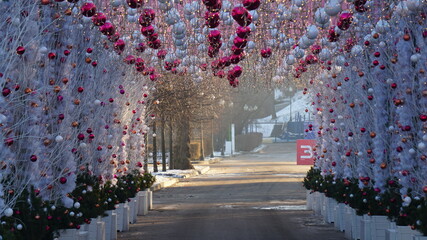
{"x": 162, "y": 133}
{"x": 182, "y": 154}
{"x": 154, "y": 148}
{"x": 171, "y": 160}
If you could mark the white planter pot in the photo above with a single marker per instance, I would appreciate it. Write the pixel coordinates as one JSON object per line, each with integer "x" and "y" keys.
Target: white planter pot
{"x": 143, "y": 203}
{"x": 330, "y": 209}
{"x": 150, "y": 199}
{"x": 399, "y": 232}
{"x": 96, "y": 229}
{"x": 378, "y": 227}
{"x": 309, "y": 200}
{"x": 323, "y": 200}
{"x": 419, "y": 237}
{"x": 348, "y": 224}
{"x": 355, "y": 223}
{"x": 73, "y": 234}
{"x": 133, "y": 210}
{"x": 339, "y": 217}
{"x": 123, "y": 217}
{"x": 317, "y": 205}
{"x": 110, "y": 225}
{"x": 365, "y": 227}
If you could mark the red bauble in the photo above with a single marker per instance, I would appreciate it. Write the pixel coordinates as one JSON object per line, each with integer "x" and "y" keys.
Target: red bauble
{"x": 147, "y": 31}
{"x": 161, "y": 54}
{"x": 139, "y": 62}
{"x": 266, "y": 53}
{"x": 99, "y": 19}
{"x": 210, "y": 2}
{"x": 80, "y": 89}
{"x": 243, "y": 32}
{"x": 156, "y": 44}
{"x": 119, "y": 46}
{"x": 129, "y": 59}
{"x": 240, "y": 42}
{"x": 425, "y": 189}
{"x": 20, "y": 50}
{"x": 63, "y": 180}
{"x": 147, "y": 16}
{"x": 345, "y": 21}
{"x": 45, "y": 2}
{"x": 241, "y": 16}
{"x": 107, "y": 29}
{"x": 423, "y": 117}
{"x": 141, "y": 47}
{"x": 81, "y": 136}
{"x": 88, "y": 9}
{"x": 251, "y": 4}
{"x": 315, "y": 49}
{"x": 8, "y": 141}
{"x": 212, "y": 19}
{"x": 33, "y": 158}
{"x": 51, "y": 55}
{"x": 135, "y": 3}
{"x": 333, "y": 164}
{"x": 6, "y": 91}
{"x": 214, "y": 36}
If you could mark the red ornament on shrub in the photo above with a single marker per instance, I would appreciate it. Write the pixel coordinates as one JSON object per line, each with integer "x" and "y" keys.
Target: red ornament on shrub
{"x": 423, "y": 117}
{"x": 141, "y": 47}
{"x": 345, "y": 21}
{"x": 161, "y": 54}
{"x": 129, "y": 59}
{"x": 88, "y": 9}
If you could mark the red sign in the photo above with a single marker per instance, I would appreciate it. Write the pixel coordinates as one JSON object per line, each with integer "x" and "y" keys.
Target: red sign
{"x": 305, "y": 155}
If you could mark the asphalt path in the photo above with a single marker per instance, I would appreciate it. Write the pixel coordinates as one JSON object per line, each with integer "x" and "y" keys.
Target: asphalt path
{"x": 257, "y": 196}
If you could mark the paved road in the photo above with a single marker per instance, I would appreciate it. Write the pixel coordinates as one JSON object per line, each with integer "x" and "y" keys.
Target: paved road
{"x": 248, "y": 197}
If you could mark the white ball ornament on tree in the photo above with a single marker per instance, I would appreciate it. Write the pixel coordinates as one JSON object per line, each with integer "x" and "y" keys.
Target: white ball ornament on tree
{"x": 59, "y": 139}
{"x": 77, "y": 205}
{"x": 19, "y": 227}
{"x": 332, "y": 7}
{"x": 312, "y": 32}
{"x": 425, "y": 137}
{"x": 8, "y": 212}
{"x": 382, "y": 26}
{"x": 72, "y": 214}
{"x": 421, "y": 146}
{"x": 414, "y": 5}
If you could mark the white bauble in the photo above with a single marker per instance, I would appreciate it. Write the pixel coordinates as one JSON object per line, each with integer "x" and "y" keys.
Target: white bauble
{"x": 83, "y": 145}
{"x": 332, "y": 7}
{"x": 290, "y": 60}
{"x": 356, "y": 50}
{"x": 77, "y": 205}
{"x": 19, "y": 227}
{"x": 414, "y": 5}
{"x": 412, "y": 151}
{"x": 72, "y": 214}
{"x": 421, "y": 146}
{"x": 8, "y": 212}
{"x": 382, "y": 26}
{"x": 415, "y": 57}
{"x": 59, "y": 139}
{"x": 312, "y": 32}
{"x": 425, "y": 137}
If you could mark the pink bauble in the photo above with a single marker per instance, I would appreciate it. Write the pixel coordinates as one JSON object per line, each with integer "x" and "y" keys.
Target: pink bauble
{"x": 107, "y": 29}
{"x": 240, "y": 42}
{"x": 20, "y": 50}
{"x": 119, "y": 46}
{"x": 243, "y": 32}
{"x": 147, "y": 16}
{"x": 146, "y": 31}
{"x": 161, "y": 54}
{"x": 63, "y": 180}
{"x": 266, "y": 53}
{"x": 130, "y": 59}
{"x": 88, "y": 9}
{"x": 99, "y": 19}
{"x": 135, "y": 3}
{"x": 140, "y": 47}
{"x": 251, "y": 4}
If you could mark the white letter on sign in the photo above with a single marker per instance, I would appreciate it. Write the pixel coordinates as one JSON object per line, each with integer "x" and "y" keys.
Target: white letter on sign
{"x": 308, "y": 151}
